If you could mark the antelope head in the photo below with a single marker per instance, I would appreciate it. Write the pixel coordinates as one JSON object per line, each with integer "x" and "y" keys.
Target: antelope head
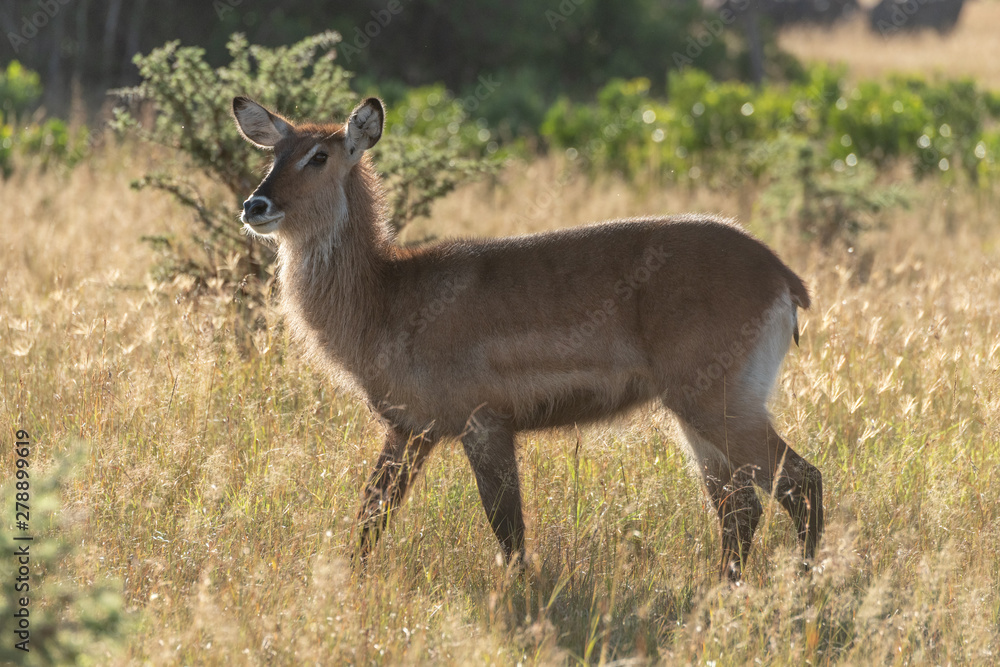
{"x": 304, "y": 190}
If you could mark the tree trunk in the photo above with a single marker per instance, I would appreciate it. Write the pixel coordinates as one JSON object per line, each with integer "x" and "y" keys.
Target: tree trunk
{"x": 55, "y": 83}
{"x": 755, "y": 45}
{"x": 132, "y": 44}
{"x": 108, "y": 64}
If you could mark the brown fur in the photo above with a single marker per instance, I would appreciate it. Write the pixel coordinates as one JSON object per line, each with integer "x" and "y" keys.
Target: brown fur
{"x": 482, "y": 339}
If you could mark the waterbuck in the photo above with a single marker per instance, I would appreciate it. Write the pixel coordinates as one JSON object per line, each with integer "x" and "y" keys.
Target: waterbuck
{"x": 482, "y": 339}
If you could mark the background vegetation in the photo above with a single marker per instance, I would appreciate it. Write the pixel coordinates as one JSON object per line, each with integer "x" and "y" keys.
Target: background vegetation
{"x": 536, "y": 50}
{"x": 197, "y": 481}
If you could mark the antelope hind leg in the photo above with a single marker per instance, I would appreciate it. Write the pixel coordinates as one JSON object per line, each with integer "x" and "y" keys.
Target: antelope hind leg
{"x": 798, "y": 486}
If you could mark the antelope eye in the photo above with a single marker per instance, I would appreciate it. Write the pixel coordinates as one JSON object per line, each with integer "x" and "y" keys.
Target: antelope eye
{"x": 318, "y": 158}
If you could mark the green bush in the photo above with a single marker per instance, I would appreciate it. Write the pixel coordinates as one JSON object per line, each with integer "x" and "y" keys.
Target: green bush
{"x": 959, "y": 110}
{"x": 20, "y": 90}
{"x": 817, "y": 140}
{"x": 419, "y": 161}
{"x": 434, "y": 113}
{"x": 609, "y": 134}
{"x": 827, "y": 205}
{"x": 529, "y": 53}
{"x": 70, "y": 622}
{"x": 45, "y": 142}
{"x": 987, "y": 154}
{"x": 874, "y": 122}
{"x": 717, "y": 127}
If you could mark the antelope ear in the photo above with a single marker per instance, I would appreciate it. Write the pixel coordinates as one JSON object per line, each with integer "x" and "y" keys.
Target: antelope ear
{"x": 259, "y": 126}
{"x": 364, "y": 127}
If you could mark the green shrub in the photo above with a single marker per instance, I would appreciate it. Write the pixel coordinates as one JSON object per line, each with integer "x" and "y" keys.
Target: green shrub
{"x": 69, "y": 621}
{"x": 6, "y": 148}
{"x": 20, "y": 90}
{"x": 43, "y": 142}
{"x": 827, "y": 205}
{"x": 959, "y": 110}
{"x": 192, "y": 100}
{"x": 874, "y": 122}
{"x": 609, "y": 134}
{"x": 716, "y": 127}
{"x": 434, "y": 113}
{"x": 987, "y": 154}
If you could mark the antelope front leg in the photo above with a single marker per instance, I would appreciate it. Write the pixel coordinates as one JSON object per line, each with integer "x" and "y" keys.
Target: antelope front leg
{"x": 400, "y": 461}
{"x": 490, "y": 449}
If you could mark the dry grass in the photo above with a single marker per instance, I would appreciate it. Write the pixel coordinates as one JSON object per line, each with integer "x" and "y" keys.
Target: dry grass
{"x": 971, "y": 50}
{"x": 220, "y": 483}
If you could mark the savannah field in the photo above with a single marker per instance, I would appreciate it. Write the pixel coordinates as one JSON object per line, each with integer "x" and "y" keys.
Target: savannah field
{"x": 209, "y": 476}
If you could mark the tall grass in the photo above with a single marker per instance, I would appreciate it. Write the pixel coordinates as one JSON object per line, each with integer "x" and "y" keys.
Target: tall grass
{"x": 220, "y": 480}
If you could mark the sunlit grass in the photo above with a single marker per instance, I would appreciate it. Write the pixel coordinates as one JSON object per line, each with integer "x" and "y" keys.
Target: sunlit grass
{"x": 972, "y": 49}
{"x": 221, "y": 480}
